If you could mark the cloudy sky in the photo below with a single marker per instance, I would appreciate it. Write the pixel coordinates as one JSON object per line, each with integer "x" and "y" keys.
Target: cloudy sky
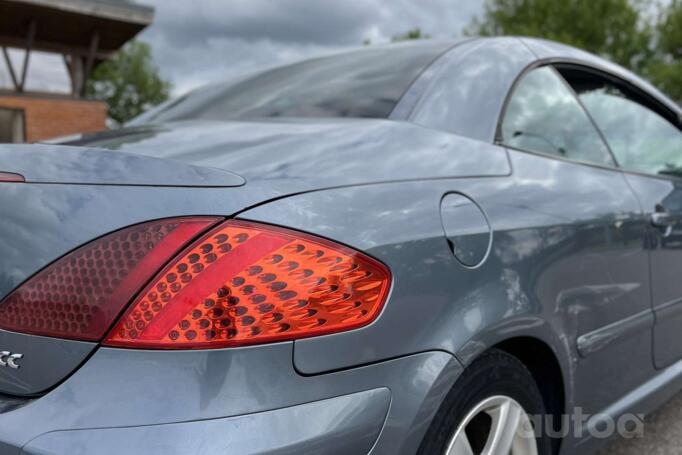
{"x": 199, "y": 41}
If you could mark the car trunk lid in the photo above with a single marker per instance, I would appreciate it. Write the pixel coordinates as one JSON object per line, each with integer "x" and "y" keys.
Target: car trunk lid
{"x": 43, "y": 163}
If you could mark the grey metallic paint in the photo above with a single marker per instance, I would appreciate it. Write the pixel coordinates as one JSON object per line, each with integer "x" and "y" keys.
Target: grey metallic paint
{"x": 466, "y": 228}
{"x": 567, "y": 267}
{"x": 313, "y": 154}
{"x": 469, "y": 92}
{"x": 60, "y": 164}
{"x": 46, "y": 361}
{"x": 349, "y": 424}
{"x": 223, "y": 383}
{"x": 527, "y": 287}
{"x": 666, "y": 263}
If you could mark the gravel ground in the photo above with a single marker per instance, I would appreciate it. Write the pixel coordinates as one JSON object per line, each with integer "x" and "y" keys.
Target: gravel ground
{"x": 662, "y": 434}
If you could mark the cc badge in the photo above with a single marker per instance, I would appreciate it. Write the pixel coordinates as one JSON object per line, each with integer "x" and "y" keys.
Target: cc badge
{"x": 7, "y": 359}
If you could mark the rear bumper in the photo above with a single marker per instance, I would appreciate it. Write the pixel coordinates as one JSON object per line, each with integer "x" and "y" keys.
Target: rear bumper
{"x": 245, "y": 400}
{"x": 348, "y": 424}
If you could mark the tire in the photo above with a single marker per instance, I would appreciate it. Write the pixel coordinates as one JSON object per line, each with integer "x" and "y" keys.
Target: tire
{"x": 494, "y": 374}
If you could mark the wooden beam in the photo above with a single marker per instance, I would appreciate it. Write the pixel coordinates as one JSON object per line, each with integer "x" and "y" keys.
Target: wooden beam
{"x": 27, "y": 53}
{"x": 10, "y": 68}
{"x": 77, "y": 74}
{"x": 94, "y": 43}
{"x": 69, "y": 70}
{"x": 47, "y": 46}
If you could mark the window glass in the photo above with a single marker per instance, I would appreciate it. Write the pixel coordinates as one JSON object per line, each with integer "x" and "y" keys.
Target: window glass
{"x": 641, "y": 139}
{"x": 544, "y": 116}
{"x": 364, "y": 83}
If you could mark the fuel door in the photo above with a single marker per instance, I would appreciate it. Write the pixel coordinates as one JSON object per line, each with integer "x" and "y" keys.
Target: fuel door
{"x": 466, "y": 228}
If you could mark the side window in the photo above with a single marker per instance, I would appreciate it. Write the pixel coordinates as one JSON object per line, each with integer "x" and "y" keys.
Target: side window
{"x": 543, "y": 115}
{"x": 641, "y": 139}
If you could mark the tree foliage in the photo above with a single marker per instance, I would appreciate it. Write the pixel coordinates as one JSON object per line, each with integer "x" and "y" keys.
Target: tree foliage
{"x": 612, "y": 28}
{"x": 412, "y": 34}
{"x": 665, "y": 69}
{"x": 624, "y": 31}
{"x": 129, "y": 83}
{"x": 415, "y": 33}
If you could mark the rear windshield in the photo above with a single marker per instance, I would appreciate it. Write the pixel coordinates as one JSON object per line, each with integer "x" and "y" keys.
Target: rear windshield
{"x": 363, "y": 83}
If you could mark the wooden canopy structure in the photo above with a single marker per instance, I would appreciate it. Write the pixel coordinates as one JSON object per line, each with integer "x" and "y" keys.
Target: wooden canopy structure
{"x": 84, "y": 32}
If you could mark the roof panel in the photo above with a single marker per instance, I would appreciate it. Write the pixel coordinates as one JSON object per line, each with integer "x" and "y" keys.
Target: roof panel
{"x": 119, "y": 10}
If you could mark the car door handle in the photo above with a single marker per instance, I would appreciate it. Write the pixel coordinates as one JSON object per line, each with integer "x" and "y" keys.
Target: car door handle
{"x": 664, "y": 221}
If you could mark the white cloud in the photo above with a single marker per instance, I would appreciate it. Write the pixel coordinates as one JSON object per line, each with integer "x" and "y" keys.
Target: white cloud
{"x": 195, "y": 42}
{"x": 46, "y": 72}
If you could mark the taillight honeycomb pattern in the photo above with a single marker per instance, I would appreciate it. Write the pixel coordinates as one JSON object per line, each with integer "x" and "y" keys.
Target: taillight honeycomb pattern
{"x": 80, "y": 295}
{"x": 246, "y": 283}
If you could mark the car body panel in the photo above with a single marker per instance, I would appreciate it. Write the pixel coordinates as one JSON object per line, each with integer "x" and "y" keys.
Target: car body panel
{"x": 468, "y": 92}
{"x": 466, "y": 228}
{"x": 156, "y": 388}
{"x": 79, "y": 165}
{"x": 63, "y": 217}
{"x": 560, "y": 258}
{"x": 666, "y": 263}
{"x": 653, "y": 192}
{"x": 349, "y": 423}
{"x": 311, "y": 154}
{"x": 634, "y": 405}
{"x": 45, "y": 362}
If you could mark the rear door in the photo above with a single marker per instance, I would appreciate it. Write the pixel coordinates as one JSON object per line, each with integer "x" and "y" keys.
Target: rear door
{"x": 646, "y": 140}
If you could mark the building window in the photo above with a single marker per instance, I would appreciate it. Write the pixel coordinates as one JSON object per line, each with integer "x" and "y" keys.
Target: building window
{"x": 11, "y": 125}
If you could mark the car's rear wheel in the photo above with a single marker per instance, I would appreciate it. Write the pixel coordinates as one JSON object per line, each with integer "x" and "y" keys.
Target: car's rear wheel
{"x": 488, "y": 412}
{"x": 496, "y": 425}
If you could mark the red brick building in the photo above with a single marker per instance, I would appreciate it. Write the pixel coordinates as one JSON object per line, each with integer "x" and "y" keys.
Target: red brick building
{"x": 33, "y": 117}
{"x": 85, "y": 33}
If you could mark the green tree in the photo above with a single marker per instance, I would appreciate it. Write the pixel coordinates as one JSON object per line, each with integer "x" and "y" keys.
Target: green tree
{"x": 129, "y": 83}
{"x": 665, "y": 70}
{"x": 415, "y": 33}
{"x": 612, "y": 28}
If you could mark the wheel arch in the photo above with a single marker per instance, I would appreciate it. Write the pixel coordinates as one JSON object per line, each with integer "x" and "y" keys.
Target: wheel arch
{"x": 544, "y": 366}
{"x": 540, "y": 349}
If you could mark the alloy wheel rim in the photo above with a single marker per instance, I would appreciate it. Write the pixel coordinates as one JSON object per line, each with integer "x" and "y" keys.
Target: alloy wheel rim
{"x": 496, "y": 426}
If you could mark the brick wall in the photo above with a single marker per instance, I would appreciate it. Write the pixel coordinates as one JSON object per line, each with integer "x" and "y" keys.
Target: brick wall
{"x": 51, "y": 116}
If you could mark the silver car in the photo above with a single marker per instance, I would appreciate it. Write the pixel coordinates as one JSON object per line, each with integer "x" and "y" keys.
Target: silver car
{"x": 434, "y": 247}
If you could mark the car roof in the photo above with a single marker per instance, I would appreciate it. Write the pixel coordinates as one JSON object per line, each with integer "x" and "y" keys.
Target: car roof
{"x": 465, "y": 89}
{"x": 551, "y": 50}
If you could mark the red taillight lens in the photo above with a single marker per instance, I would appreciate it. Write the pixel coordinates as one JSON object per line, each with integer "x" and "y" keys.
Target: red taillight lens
{"x": 246, "y": 283}
{"x": 11, "y": 177}
{"x": 80, "y": 295}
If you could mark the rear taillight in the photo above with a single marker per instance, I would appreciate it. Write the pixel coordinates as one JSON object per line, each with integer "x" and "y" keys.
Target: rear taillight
{"x": 80, "y": 295}
{"x": 240, "y": 283}
{"x": 11, "y": 177}
{"x": 246, "y": 283}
